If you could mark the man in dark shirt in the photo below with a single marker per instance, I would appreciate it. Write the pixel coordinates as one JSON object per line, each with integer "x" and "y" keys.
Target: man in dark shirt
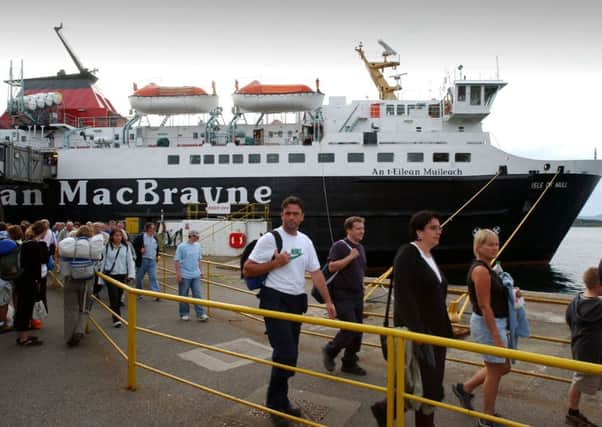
{"x": 348, "y": 259}
{"x": 584, "y": 317}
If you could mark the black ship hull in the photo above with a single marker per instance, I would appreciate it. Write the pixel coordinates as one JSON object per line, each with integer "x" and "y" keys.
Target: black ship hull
{"x": 386, "y": 202}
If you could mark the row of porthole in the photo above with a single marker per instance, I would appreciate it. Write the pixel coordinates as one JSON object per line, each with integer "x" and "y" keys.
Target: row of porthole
{"x": 210, "y": 159}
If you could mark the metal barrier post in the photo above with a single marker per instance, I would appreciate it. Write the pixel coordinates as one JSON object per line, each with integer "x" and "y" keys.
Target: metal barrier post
{"x": 208, "y": 281}
{"x": 131, "y": 341}
{"x": 390, "y": 380}
{"x": 400, "y": 380}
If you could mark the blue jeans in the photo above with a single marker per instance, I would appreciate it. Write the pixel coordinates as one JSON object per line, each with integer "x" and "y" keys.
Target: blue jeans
{"x": 193, "y": 285}
{"x": 149, "y": 265}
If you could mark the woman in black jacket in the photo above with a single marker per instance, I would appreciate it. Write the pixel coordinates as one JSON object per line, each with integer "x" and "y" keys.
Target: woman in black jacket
{"x": 420, "y": 291}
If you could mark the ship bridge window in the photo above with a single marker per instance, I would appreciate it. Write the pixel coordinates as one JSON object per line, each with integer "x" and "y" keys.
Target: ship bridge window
{"x": 390, "y": 110}
{"x": 209, "y": 159}
{"x": 490, "y": 92}
{"x": 254, "y": 158}
{"x": 237, "y": 158}
{"x": 223, "y": 159}
{"x": 272, "y": 158}
{"x": 401, "y": 109}
{"x": 420, "y": 106}
{"x": 173, "y": 159}
{"x": 411, "y": 107}
{"x": 296, "y": 157}
{"x": 325, "y": 157}
{"x": 385, "y": 157}
{"x": 440, "y": 157}
{"x": 415, "y": 157}
{"x": 195, "y": 159}
{"x": 475, "y": 95}
{"x": 462, "y": 157}
{"x": 461, "y": 93}
{"x": 355, "y": 157}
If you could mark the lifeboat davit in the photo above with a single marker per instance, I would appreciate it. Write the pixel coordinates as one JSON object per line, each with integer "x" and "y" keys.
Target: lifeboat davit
{"x": 154, "y": 99}
{"x": 258, "y": 98}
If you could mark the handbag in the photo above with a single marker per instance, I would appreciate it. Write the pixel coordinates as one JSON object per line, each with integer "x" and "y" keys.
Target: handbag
{"x": 39, "y": 311}
{"x": 110, "y": 270}
{"x": 383, "y": 338}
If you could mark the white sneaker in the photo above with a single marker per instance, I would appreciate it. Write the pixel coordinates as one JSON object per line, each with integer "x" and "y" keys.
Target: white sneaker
{"x": 185, "y": 317}
{"x": 117, "y": 324}
{"x": 203, "y": 318}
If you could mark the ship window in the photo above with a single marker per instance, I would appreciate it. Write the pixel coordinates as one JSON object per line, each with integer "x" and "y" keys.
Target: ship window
{"x": 401, "y": 109}
{"x": 132, "y": 136}
{"x": 355, "y": 157}
{"x": 23, "y": 138}
{"x": 462, "y": 157}
{"x": 434, "y": 111}
{"x": 461, "y": 93}
{"x": 254, "y": 158}
{"x": 116, "y": 137}
{"x": 173, "y": 159}
{"x": 385, "y": 157}
{"x": 195, "y": 135}
{"x": 418, "y": 128}
{"x": 390, "y": 109}
{"x": 475, "y": 95}
{"x": 325, "y": 157}
{"x": 195, "y": 159}
{"x": 237, "y": 158}
{"x": 296, "y": 157}
{"x": 460, "y": 128}
{"x": 415, "y": 157}
{"x": 490, "y": 94}
{"x": 290, "y": 133}
{"x": 223, "y": 159}
{"x": 270, "y": 134}
{"x": 272, "y": 158}
{"x": 279, "y": 134}
{"x": 411, "y": 107}
{"x": 420, "y": 106}
{"x": 209, "y": 159}
{"x": 440, "y": 157}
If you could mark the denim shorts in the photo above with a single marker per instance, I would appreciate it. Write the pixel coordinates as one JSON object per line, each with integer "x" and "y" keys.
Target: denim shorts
{"x": 480, "y": 333}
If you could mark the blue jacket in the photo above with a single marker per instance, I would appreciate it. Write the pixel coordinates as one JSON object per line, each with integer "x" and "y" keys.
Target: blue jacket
{"x": 518, "y": 325}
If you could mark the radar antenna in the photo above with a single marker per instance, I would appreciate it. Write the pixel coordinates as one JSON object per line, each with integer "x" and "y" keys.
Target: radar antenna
{"x": 78, "y": 64}
{"x": 375, "y": 69}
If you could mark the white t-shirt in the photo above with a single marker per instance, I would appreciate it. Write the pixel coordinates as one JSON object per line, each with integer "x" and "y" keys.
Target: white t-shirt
{"x": 430, "y": 261}
{"x": 289, "y": 278}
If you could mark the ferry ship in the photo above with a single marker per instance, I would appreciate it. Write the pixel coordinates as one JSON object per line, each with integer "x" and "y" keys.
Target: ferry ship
{"x": 382, "y": 159}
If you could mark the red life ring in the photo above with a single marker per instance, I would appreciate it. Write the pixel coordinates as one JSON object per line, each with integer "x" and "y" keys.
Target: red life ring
{"x": 237, "y": 240}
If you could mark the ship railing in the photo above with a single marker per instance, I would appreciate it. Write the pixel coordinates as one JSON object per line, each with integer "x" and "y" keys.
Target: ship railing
{"x": 396, "y": 339}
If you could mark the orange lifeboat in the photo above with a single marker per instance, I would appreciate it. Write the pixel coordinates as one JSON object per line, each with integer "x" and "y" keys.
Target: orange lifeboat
{"x": 259, "y": 98}
{"x": 154, "y": 99}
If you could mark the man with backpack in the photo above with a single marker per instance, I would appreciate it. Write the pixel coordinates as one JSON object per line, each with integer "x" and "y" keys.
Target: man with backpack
{"x": 347, "y": 258}
{"x": 284, "y": 290}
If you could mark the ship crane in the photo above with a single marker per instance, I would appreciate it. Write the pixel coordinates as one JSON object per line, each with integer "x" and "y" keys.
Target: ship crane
{"x": 83, "y": 71}
{"x": 375, "y": 69}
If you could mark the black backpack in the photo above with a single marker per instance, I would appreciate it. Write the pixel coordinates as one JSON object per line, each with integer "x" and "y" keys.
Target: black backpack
{"x": 254, "y": 283}
{"x": 10, "y": 260}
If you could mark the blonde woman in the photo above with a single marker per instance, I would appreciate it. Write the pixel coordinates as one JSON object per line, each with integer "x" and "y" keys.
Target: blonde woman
{"x": 488, "y": 323}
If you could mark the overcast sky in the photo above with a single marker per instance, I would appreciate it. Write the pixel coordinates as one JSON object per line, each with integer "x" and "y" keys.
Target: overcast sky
{"x": 550, "y": 55}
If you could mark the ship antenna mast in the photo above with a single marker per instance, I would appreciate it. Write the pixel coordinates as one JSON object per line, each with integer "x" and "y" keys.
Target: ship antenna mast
{"x": 375, "y": 69}
{"x": 71, "y": 53}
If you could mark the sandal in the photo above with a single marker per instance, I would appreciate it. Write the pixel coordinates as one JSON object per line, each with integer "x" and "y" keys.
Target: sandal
{"x": 29, "y": 341}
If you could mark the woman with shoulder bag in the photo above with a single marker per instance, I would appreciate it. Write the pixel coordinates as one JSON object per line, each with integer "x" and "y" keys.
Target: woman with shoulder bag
{"x": 118, "y": 264}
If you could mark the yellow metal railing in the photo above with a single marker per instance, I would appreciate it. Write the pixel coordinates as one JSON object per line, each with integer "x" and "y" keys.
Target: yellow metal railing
{"x": 395, "y": 337}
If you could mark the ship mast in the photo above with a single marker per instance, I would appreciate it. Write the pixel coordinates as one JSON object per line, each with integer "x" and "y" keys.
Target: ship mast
{"x": 375, "y": 69}
{"x": 83, "y": 71}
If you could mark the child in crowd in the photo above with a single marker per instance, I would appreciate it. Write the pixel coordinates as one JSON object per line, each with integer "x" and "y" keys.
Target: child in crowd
{"x": 584, "y": 317}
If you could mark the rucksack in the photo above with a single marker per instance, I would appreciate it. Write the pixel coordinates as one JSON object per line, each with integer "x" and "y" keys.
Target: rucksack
{"x": 329, "y": 277}
{"x": 254, "y": 283}
{"x": 10, "y": 260}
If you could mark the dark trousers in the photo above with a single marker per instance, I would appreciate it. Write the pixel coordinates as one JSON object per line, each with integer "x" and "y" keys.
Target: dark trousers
{"x": 350, "y": 308}
{"x": 26, "y": 294}
{"x": 284, "y": 339}
{"x": 115, "y": 294}
{"x": 432, "y": 383}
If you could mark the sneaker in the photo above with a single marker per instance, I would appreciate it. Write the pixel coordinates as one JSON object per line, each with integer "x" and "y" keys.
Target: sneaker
{"x": 485, "y": 423}
{"x": 354, "y": 370}
{"x": 293, "y": 410}
{"x": 464, "y": 397}
{"x": 328, "y": 360}
{"x": 185, "y": 317}
{"x": 578, "y": 420}
{"x": 117, "y": 324}
{"x": 279, "y": 422}
{"x": 379, "y": 411}
{"x": 203, "y": 318}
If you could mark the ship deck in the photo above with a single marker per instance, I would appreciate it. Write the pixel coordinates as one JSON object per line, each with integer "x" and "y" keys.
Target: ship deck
{"x": 85, "y": 386}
